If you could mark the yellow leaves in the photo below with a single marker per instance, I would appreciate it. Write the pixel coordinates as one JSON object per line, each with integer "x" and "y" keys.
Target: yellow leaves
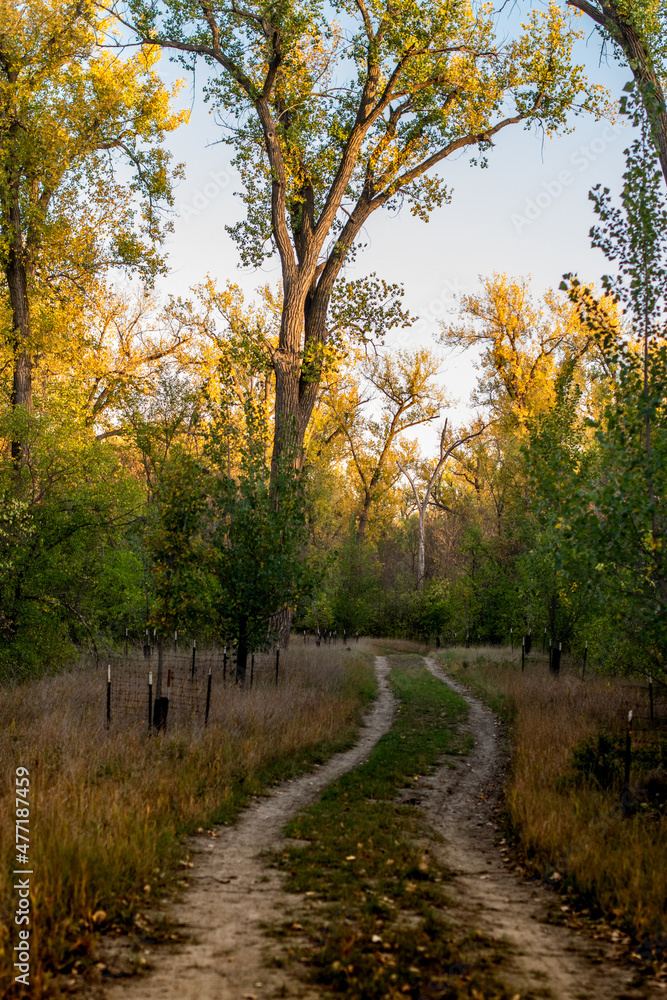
{"x": 524, "y": 342}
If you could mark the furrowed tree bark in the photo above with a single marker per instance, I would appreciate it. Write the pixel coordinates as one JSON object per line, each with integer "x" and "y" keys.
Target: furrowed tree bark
{"x": 607, "y": 16}
{"x": 17, "y": 273}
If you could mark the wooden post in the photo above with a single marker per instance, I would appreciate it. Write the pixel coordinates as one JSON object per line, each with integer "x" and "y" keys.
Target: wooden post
{"x": 544, "y": 641}
{"x": 583, "y": 662}
{"x": 627, "y": 804}
{"x": 252, "y": 667}
{"x": 523, "y": 654}
{"x": 512, "y": 639}
{"x": 194, "y": 654}
{"x": 175, "y": 640}
{"x": 126, "y": 639}
{"x": 208, "y": 697}
{"x": 150, "y": 700}
{"x": 650, "y": 693}
{"x": 224, "y": 666}
{"x": 158, "y": 693}
{"x": 108, "y": 695}
{"x": 277, "y": 663}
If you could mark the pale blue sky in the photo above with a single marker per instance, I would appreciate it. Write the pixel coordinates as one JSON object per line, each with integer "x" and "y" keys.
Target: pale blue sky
{"x": 528, "y": 213}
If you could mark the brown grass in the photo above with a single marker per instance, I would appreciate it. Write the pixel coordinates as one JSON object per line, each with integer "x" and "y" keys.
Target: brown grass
{"x": 110, "y": 809}
{"x": 616, "y": 863}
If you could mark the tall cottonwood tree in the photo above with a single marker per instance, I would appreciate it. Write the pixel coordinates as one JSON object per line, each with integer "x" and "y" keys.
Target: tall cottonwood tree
{"x": 68, "y": 112}
{"x": 338, "y": 109}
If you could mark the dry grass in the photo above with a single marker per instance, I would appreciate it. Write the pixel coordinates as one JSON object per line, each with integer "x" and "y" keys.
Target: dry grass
{"x": 110, "y": 809}
{"x": 616, "y": 863}
{"x": 398, "y": 646}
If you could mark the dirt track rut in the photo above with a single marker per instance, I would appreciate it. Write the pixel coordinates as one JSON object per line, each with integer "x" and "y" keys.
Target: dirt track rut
{"x": 489, "y": 895}
{"x": 233, "y": 893}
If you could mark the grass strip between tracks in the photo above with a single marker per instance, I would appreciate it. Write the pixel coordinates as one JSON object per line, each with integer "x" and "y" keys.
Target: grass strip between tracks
{"x": 377, "y": 926}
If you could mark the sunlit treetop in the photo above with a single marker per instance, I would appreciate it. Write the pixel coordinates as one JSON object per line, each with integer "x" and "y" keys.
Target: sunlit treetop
{"x": 356, "y": 101}
{"x": 71, "y": 113}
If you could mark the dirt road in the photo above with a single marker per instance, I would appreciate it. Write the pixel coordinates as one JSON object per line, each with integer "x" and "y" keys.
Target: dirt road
{"x": 233, "y": 893}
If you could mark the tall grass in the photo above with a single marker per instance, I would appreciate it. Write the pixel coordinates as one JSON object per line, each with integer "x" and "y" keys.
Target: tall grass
{"x": 565, "y": 823}
{"x": 110, "y": 809}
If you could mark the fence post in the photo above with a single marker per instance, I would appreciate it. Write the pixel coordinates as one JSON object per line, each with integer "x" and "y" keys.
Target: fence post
{"x": 523, "y": 654}
{"x": 650, "y": 693}
{"x": 194, "y": 654}
{"x": 224, "y": 666}
{"x": 512, "y": 639}
{"x": 583, "y": 664}
{"x": 208, "y": 697}
{"x": 175, "y": 640}
{"x": 126, "y": 640}
{"x": 158, "y": 693}
{"x": 627, "y": 805}
{"x": 150, "y": 700}
{"x": 108, "y": 695}
{"x": 277, "y": 663}
{"x": 252, "y": 667}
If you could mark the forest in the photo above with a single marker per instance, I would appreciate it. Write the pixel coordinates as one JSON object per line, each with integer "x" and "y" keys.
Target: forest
{"x": 403, "y": 637}
{"x": 217, "y": 465}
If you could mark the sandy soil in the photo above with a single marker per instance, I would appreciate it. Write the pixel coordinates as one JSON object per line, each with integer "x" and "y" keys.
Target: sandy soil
{"x": 233, "y": 894}
{"x": 489, "y": 896}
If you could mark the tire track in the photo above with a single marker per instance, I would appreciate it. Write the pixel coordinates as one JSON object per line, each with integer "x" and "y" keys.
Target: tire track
{"x": 487, "y": 895}
{"x": 234, "y": 893}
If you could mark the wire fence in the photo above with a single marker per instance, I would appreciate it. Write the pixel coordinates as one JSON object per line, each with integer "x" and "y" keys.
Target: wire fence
{"x": 178, "y": 687}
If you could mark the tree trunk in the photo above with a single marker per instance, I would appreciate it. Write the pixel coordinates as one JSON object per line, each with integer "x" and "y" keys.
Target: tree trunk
{"x": 297, "y": 378}
{"x": 362, "y": 521}
{"x": 16, "y": 273}
{"x": 608, "y": 16}
{"x": 421, "y": 559}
